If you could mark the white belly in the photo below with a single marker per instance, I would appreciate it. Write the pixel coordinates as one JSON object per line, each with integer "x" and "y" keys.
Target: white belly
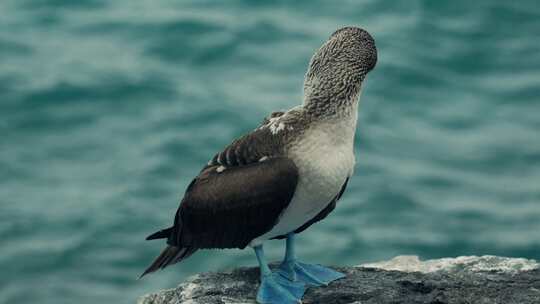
{"x": 324, "y": 161}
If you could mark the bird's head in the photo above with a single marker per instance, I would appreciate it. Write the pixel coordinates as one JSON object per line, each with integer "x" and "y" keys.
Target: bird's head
{"x": 337, "y": 69}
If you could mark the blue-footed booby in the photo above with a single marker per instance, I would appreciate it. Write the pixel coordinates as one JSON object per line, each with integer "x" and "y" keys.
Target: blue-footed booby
{"x": 282, "y": 177}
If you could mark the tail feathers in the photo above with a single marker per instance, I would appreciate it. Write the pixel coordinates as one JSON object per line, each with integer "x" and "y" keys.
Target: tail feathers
{"x": 170, "y": 255}
{"x": 162, "y": 234}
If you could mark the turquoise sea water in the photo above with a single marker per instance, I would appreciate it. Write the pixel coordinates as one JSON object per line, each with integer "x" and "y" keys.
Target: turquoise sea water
{"x": 109, "y": 108}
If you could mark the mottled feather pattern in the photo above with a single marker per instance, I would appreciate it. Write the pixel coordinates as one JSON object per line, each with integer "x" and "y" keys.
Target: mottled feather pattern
{"x": 336, "y": 71}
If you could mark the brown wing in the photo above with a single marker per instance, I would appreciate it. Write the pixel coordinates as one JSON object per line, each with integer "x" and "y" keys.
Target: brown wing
{"x": 237, "y": 197}
{"x": 231, "y": 208}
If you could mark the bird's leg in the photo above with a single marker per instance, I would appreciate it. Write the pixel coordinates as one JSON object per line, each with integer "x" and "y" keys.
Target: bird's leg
{"x": 289, "y": 261}
{"x": 274, "y": 288}
{"x": 310, "y": 274}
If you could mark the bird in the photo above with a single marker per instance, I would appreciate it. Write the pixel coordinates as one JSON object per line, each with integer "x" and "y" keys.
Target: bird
{"x": 282, "y": 177}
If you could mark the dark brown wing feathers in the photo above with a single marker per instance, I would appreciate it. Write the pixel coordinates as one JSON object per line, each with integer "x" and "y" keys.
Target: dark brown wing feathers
{"x": 249, "y": 149}
{"x": 229, "y": 209}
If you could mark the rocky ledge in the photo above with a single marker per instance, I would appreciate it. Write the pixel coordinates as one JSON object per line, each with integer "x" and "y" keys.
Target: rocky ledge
{"x": 404, "y": 279}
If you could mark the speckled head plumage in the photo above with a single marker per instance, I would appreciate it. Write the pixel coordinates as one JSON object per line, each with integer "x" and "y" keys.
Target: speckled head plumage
{"x": 337, "y": 69}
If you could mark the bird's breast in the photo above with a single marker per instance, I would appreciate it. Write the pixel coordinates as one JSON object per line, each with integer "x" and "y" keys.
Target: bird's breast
{"x": 325, "y": 159}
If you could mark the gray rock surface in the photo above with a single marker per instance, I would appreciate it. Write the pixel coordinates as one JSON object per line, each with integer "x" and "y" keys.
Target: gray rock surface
{"x": 404, "y": 279}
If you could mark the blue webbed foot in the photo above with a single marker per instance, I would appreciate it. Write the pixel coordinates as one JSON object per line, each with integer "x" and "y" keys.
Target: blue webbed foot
{"x": 310, "y": 274}
{"x": 276, "y": 289}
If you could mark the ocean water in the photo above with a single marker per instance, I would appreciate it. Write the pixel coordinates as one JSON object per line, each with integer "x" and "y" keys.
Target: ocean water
{"x": 109, "y": 108}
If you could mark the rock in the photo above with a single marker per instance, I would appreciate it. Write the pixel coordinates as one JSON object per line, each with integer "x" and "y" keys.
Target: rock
{"x": 404, "y": 279}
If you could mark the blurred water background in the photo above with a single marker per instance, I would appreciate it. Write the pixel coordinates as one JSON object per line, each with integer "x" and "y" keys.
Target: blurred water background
{"x": 109, "y": 108}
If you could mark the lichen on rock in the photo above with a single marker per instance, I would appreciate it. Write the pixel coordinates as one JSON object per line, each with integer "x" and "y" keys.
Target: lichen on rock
{"x": 404, "y": 279}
